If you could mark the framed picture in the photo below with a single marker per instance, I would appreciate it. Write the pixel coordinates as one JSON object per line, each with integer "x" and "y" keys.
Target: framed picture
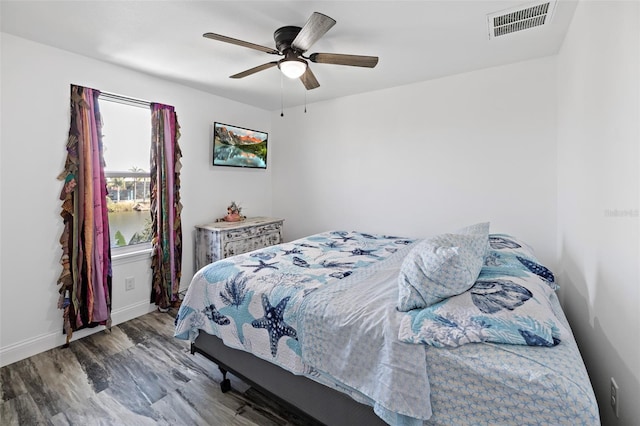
{"x": 239, "y": 147}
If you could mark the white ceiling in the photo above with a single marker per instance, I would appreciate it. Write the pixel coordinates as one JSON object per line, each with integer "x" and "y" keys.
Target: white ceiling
{"x": 415, "y": 40}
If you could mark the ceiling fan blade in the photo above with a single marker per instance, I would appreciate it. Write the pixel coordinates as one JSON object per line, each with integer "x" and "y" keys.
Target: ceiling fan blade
{"x": 242, "y": 43}
{"x": 315, "y": 27}
{"x": 254, "y": 70}
{"x": 309, "y": 80}
{"x": 338, "y": 59}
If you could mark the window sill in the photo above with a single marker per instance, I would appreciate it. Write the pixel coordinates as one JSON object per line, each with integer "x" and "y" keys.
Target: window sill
{"x": 131, "y": 254}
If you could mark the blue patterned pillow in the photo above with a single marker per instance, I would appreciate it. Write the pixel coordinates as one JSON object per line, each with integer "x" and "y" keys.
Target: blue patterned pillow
{"x": 508, "y": 309}
{"x": 440, "y": 267}
{"x": 508, "y": 255}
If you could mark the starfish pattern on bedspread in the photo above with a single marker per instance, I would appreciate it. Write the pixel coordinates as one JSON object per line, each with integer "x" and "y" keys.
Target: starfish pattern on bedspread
{"x": 240, "y": 313}
{"x": 331, "y": 244}
{"x": 342, "y": 236}
{"x": 261, "y": 265}
{"x": 273, "y": 321}
{"x": 362, "y": 252}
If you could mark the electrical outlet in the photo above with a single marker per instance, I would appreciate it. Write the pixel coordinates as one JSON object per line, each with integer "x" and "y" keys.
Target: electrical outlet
{"x": 129, "y": 283}
{"x": 615, "y": 396}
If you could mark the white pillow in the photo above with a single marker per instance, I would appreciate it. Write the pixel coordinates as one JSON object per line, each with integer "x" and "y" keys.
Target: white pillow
{"x": 441, "y": 267}
{"x": 478, "y": 228}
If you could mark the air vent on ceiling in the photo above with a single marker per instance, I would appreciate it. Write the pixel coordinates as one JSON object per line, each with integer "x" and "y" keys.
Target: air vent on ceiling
{"x": 520, "y": 18}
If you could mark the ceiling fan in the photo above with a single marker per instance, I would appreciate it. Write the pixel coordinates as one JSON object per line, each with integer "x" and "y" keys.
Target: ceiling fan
{"x": 292, "y": 42}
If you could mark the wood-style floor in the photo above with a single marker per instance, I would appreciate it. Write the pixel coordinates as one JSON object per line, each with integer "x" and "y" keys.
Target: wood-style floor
{"x": 138, "y": 374}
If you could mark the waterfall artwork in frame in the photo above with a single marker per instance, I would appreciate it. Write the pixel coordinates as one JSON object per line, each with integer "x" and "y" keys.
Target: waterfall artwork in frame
{"x": 235, "y": 146}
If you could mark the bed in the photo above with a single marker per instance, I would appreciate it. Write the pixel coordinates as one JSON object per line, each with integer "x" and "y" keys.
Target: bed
{"x": 358, "y": 328}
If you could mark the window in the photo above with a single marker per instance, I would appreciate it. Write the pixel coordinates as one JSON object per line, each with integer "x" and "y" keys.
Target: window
{"x": 126, "y": 139}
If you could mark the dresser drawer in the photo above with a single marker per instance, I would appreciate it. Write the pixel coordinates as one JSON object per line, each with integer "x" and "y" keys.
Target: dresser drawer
{"x": 244, "y": 245}
{"x": 251, "y": 232}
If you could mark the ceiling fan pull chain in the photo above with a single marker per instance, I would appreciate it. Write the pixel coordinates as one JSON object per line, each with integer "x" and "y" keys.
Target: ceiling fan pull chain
{"x": 305, "y": 101}
{"x": 281, "y": 97}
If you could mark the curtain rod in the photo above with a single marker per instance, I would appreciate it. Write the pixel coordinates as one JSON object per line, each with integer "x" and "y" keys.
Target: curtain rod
{"x": 124, "y": 100}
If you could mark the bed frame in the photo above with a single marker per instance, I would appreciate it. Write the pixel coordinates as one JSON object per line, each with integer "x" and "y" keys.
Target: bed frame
{"x": 297, "y": 393}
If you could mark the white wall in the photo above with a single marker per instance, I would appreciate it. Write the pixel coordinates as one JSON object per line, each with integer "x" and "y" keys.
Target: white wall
{"x": 598, "y": 196}
{"x": 35, "y": 124}
{"x": 426, "y": 158}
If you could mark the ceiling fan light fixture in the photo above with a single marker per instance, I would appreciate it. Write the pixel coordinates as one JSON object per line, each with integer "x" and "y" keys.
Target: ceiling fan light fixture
{"x": 292, "y": 42}
{"x": 292, "y": 67}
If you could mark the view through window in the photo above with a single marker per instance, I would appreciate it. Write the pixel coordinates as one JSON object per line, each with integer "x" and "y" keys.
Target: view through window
{"x": 126, "y": 139}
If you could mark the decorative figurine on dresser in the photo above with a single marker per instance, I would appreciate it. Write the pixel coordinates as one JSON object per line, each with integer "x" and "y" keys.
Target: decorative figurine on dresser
{"x": 224, "y": 238}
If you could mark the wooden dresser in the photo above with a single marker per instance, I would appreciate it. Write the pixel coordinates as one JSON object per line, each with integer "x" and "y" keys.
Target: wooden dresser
{"x": 215, "y": 241}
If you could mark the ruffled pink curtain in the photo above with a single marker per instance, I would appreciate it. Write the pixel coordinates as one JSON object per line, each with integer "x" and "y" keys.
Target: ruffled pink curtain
{"x": 166, "y": 208}
{"x": 85, "y": 281}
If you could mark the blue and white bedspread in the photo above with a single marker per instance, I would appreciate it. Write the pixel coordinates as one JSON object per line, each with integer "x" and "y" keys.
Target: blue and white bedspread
{"x": 321, "y": 305}
{"x": 325, "y": 307}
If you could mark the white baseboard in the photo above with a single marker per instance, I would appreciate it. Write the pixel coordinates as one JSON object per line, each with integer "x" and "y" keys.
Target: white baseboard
{"x": 36, "y": 345}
